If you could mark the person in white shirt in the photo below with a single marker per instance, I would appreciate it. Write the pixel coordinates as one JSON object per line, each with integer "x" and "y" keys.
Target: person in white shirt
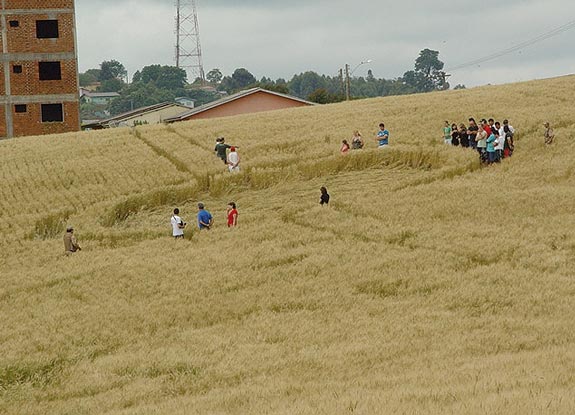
{"x": 233, "y": 160}
{"x": 178, "y": 225}
{"x": 500, "y": 140}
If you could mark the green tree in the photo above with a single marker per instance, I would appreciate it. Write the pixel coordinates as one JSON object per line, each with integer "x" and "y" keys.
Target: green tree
{"x": 323, "y": 96}
{"x": 214, "y": 76}
{"x": 87, "y": 79}
{"x": 111, "y": 85}
{"x": 139, "y": 95}
{"x": 112, "y": 69}
{"x": 304, "y": 84}
{"x": 242, "y": 78}
{"x": 428, "y": 74}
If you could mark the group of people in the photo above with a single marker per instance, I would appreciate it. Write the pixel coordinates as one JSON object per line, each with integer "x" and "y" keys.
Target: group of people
{"x": 231, "y": 159}
{"x": 357, "y": 142}
{"x": 492, "y": 140}
{"x": 204, "y": 218}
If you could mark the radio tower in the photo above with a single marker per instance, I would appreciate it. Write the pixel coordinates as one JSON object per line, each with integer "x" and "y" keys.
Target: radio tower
{"x": 188, "y": 49}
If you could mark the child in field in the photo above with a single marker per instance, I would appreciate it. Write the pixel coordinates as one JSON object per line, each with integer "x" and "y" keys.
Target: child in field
{"x": 356, "y": 140}
{"x": 344, "y": 147}
{"x": 324, "y": 198}
{"x": 232, "y": 213}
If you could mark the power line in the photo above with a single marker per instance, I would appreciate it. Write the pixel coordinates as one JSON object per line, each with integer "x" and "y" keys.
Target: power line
{"x": 519, "y": 46}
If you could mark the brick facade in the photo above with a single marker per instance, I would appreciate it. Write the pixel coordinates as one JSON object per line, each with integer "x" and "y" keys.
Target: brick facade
{"x": 38, "y": 67}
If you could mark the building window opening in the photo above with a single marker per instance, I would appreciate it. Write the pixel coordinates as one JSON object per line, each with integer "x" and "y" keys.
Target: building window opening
{"x": 20, "y": 108}
{"x": 52, "y": 113}
{"x": 17, "y": 68}
{"x": 14, "y": 23}
{"x": 47, "y": 29}
{"x": 50, "y": 71}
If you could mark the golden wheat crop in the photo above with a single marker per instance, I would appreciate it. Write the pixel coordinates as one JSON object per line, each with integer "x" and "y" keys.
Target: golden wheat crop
{"x": 429, "y": 285}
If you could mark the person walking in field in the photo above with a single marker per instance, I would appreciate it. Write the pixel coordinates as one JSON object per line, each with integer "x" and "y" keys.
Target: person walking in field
{"x": 549, "y": 134}
{"x": 344, "y": 147}
{"x": 382, "y": 136}
{"x": 324, "y": 197}
{"x": 222, "y": 148}
{"x": 71, "y": 245}
{"x": 233, "y": 160}
{"x": 447, "y": 133}
{"x": 232, "y": 213}
{"x": 356, "y": 140}
{"x": 178, "y": 225}
{"x": 205, "y": 219}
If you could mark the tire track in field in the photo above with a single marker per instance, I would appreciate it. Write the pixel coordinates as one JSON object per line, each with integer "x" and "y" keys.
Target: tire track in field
{"x": 176, "y": 162}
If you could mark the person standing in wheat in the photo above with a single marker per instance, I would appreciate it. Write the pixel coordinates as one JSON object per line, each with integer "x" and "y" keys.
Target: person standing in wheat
{"x": 233, "y": 160}
{"x": 178, "y": 225}
{"x": 549, "y": 134}
{"x": 71, "y": 245}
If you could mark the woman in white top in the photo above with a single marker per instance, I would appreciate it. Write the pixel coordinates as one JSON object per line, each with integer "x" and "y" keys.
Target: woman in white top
{"x": 233, "y": 160}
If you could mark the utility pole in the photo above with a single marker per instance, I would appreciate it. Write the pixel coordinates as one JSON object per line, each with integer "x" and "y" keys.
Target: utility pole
{"x": 342, "y": 81}
{"x": 188, "y": 48}
{"x": 347, "y": 82}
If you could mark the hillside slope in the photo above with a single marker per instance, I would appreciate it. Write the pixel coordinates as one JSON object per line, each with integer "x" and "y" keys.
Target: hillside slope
{"x": 430, "y": 284}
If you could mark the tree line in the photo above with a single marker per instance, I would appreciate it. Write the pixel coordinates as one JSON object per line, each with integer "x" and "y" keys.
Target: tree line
{"x": 159, "y": 83}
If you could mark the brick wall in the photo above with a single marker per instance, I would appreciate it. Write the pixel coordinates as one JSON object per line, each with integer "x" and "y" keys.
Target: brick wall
{"x": 22, "y": 39}
{"x": 2, "y": 124}
{"x": 28, "y": 82}
{"x": 2, "y": 86}
{"x": 39, "y": 4}
{"x": 30, "y": 122}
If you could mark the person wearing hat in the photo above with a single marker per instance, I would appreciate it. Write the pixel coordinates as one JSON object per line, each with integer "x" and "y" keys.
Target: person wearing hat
{"x": 233, "y": 160}
{"x": 70, "y": 243}
{"x": 549, "y": 134}
{"x": 205, "y": 219}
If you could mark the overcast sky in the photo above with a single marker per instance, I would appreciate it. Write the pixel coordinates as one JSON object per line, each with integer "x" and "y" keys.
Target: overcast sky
{"x": 278, "y": 38}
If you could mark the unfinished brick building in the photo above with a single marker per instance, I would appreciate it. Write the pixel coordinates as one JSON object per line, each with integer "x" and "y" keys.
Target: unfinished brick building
{"x": 38, "y": 68}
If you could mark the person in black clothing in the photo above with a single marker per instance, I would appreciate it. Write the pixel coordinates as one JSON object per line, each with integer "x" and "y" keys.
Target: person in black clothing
{"x": 472, "y": 133}
{"x": 221, "y": 149}
{"x": 463, "y": 138}
{"x": 324, "y": 199}
{"x": 454, "y": 135}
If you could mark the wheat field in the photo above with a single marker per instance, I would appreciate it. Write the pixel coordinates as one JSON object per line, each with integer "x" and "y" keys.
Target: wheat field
{"x": 430, "y": 285}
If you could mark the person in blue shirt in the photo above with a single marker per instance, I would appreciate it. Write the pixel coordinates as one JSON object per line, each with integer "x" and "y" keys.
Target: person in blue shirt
{"x": 382, "y": 136}
{"x": 491, "y": 148}
{"x": 205, "y": 219}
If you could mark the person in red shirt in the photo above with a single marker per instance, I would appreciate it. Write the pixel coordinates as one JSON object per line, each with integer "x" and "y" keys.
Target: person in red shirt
{"x": 232, "y": 215}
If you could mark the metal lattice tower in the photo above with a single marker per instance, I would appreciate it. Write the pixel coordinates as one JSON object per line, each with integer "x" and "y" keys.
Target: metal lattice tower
{"x": 188, "y": 49}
